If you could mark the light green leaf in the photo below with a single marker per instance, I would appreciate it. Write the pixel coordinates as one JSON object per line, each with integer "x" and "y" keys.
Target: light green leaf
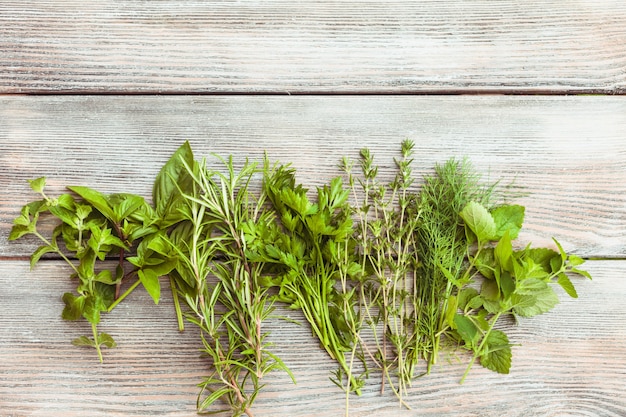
{"x": 96, "y": 199}
{"x": 545, "y": 300}
{"x": 150, "y": 280}
{"x": 38, "y": 184}
{"x": 479, "y": 220}
{"x": 503, "y": 253}
{"x": 564, "y": 281}
{"x": 39, "y": 252}
{"x": 106, "y": 340}
{"x": 508, "y": 218}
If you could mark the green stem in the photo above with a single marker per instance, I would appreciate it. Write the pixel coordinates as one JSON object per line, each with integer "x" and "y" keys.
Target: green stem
{"x": 94, "y": 330}
{"x": 123, "y": 296}
{"x": 478, "y": 351}
{"x": 179, "y": 312}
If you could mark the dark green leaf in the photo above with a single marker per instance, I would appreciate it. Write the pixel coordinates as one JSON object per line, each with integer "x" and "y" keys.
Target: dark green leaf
{"x": 498, "y": 353}
{"x": 73, "y": 306}
{"x": 173, "y": 177}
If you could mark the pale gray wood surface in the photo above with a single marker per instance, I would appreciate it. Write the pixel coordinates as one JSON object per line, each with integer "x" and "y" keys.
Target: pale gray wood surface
{"x": 284, "y": 46}
{"x": 567, "y": 152}
{"x": 571, "y": 361}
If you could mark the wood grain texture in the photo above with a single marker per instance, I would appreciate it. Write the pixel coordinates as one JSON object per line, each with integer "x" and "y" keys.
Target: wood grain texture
{"x": 567, "y": 153}
{"x": 284, "y": 46}
{"x": 572, "y": 361}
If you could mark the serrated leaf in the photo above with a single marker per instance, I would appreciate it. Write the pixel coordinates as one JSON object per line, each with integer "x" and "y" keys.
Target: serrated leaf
{"x": 37, "y": 185}
{"x": 544, "y": 301}
{"x": 73, "y": 306}
{"x": 479, "y": 220}
{"x": 106, "y": 340}
{"x": 498, "y": 352}
{"x": 39, "y": 252}
{"x": 565, "y": 283}
{"x": 84, "y": 341}
{"x": 508, "y": 218}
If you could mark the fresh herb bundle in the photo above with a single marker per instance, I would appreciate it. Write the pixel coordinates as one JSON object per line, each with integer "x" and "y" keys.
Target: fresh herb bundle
{"x": 416, "y": 268}
{"x": 387, "y": 218}
{"x": 311, "y": 252}
{"x": 219, "y": 213}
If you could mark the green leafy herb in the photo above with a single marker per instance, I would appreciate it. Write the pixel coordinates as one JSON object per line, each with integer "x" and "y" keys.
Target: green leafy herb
{"x": 387, "y": 217}
{"x": 221, "y": 219}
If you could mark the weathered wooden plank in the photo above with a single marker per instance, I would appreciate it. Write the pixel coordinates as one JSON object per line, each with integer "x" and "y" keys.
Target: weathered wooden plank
{"x": 283, "y": 46}
{"x": 572, "y": 360}
{"x": 568, "y": 153}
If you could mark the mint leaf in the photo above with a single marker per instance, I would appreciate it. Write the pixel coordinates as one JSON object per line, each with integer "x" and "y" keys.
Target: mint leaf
{"x": 498, "y": 352}
{"x": 479, "y": 220}
{"x": 544, "y": 301}
{"x": 508, "y": 218}
{"x": 564, "y": 281}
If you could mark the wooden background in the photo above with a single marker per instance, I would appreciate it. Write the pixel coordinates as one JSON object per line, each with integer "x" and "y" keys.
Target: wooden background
{"x": 100, "y": 93}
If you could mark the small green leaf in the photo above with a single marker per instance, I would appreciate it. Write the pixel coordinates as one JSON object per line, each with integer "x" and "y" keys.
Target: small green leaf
{"x": 73, "y": 306}
{"x": 106, "y": 340}
{"x": 581, "y": 272}
{"x": 479, "y": 220}
{"x": 39, "y": 252}
{"x": 503, "y": 253}
{"x": 574, "y": 260}
{"x": 564, "y": 281}
{"x": 508, "y": 218}
{"x": 83, "y": 341}
{"x": 38, "y": 184}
